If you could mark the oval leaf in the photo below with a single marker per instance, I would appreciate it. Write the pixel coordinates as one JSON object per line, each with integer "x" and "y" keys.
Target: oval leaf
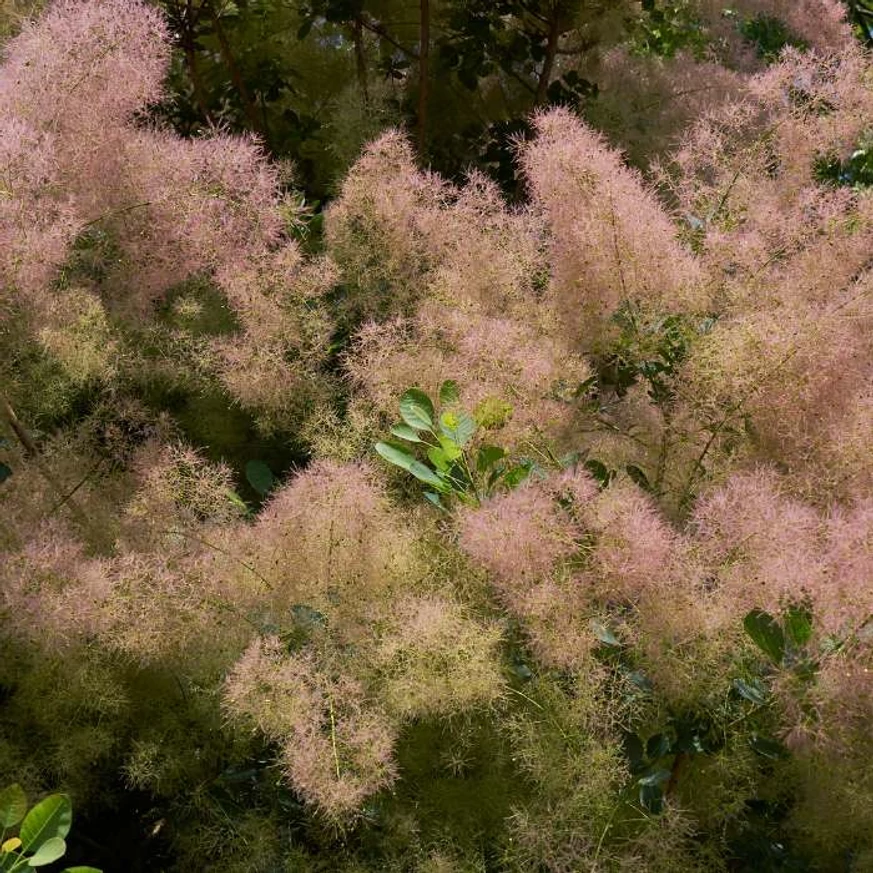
{"x": 395, "y": 455}
{"x": 769, "y": 748}
{"x": 405, "y": 432}
{"x": 603, "y": 633}
{"x": 754, "y": 691}
{"x": 416, "y": 409}
{"x": 81, "y": 870}
{"x": 434, "y": 498}
{"x": 260, "y": 477}
{"x": 458, "y": 427}
{"x": 438, "y": 458}
{"x": 49, "y": 852}
{"x": 488, "y": 456}
{"x": 659, "y": 777}
{"x": 10, "y": 845}
{"x": 766, "y": 633}
{"x": 50, "y": 818}
{"x": 424, "y": 474}
{"x": 13, "y": 806}
{"x": 638, "y": 477}
{"x": 449, "y": 393}
{"x": 798, "y": 625}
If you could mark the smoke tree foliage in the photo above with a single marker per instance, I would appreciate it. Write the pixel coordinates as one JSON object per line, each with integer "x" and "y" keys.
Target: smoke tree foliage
{"x": 638, "y": 636}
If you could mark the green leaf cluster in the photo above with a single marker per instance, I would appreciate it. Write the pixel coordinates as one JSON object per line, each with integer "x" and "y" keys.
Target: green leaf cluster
{"x": 41, "y": 831}
{"x": 450, "y": 465}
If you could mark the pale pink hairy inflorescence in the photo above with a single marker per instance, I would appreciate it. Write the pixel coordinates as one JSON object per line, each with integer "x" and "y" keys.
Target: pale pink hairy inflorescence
{"x": 434, "y": 659}
{"x": 821, "y": 24}
{"x": 610, "y": 241}
{"x": 496, "y": 361}
{"x": 155, "y": 209}
{"x": 645, "y": 103}
{"x": 376, "y": 230}
{"x": 329, "y": 539}
{"x": 336, "y": 749}
{"x": 119, "y": 48}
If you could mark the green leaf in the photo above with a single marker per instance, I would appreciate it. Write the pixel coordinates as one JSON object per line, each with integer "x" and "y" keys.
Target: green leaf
{"x": 488, "y": 456}
{"x": 658, "y": 746}
{"x": 434, "y": 498}
{"x": 798, "y": 625}
{"x": 13, "y": 806}
{"x": 51, "y": 817}
{"x": 416, "y": 409}
{"x": 49, "y": 852}
{"x": 522, "y": 671}
{"x": 755, "y": 691}
{"x": 424, "y": 474}
{"x": 769, "y": 748}
{"x": 450, "y": 448}
{"x": 260, "y": 477}
{"x": 766, "y": 633}
{"x": 438, "y": 458}
{"x": 81, "y": 870}
{"x": 515, "y": 475}
{"x": 449, "y": 393}
{"x": 458, "y": 426}
{"x": 656, "y": 778}
{"x": 603, "y": 633}
{"x": 395, "y": 455}
{"x": 405, "y": 432}
{"x": 5, "y": 471}
{"x": 236, "y": 500}
{"x": 600, "y": 472}
{"x": 638, "y": 476}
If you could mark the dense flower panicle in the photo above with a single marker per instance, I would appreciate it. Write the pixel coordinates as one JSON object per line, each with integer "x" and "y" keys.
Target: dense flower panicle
{"x": 336, "y": 750}
{"x": 376, "y": 228}
{"x": 747, "y": 169}
{"x": 77, "y": 334}
{"x": 361, "y": 740}
{"x": 609, "y": 239}
{"x": 767, "y": 550}
{"x": 180, "y": 487}
{"x": 165, "y": 209}
{"x": 277, "y": 693}
{"x": 848, "y": 558}
{"x": 519, "y": 537}
{"x": 151, "y": 610}
{"x": 636, "y": 549}
{"x": 493, "y": 359}
{"x": 37, "y": 222}
{"x": 194, "y": 207}
{"x": 400, "y": 235}
{"x": 488, "y": 257}
{"x": 820, "y": 24}
{"x": 330, "y": 540}
{"x": 432, "y": 659}
{"x": 644, "y": 104}
{"x": 120, "y": 50}
{"x": 784, "y": 372}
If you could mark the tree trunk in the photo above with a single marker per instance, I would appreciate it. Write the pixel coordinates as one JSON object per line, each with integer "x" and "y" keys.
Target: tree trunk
{"x": 423, "y": 75}
{"x": 188, "y": 44}
{"x": 360, "y": 58}
{"x": 549, "y": 61}
{"x": 236, "y": 77}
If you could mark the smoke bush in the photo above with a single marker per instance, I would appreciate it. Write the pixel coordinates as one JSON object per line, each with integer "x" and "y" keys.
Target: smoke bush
{"x": 663, "y": 627}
